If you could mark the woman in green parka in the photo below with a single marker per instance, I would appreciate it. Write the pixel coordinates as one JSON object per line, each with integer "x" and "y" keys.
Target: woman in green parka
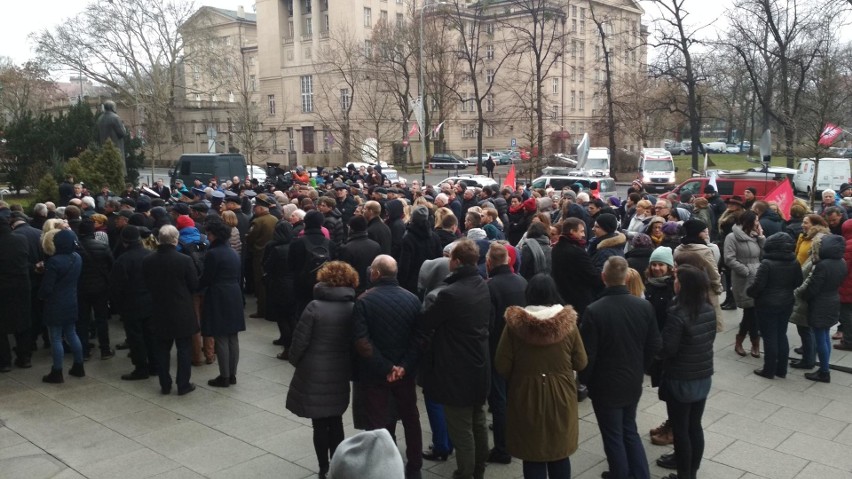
{"x": 538, "y": 353}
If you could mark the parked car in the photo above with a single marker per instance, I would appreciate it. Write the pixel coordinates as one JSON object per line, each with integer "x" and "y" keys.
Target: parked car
{"x": 732, "y": 148}
{"x": 600, "y": 187}
{"x": 682, "y": 148}
{"x": 448, "y": 161}
{"x": 477, "y": 181}
{"x": 716, "y": 147}
{"x": 471, "y": 160}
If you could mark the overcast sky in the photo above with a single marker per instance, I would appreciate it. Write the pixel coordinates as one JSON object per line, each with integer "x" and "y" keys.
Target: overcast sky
{"x": 25, "y": 17}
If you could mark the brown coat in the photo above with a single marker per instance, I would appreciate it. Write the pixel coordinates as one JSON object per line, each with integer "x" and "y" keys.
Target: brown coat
{"x": 538, "y": 353}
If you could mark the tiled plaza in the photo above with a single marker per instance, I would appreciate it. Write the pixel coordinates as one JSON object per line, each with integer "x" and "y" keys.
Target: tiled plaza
{"x": 103, "y": 427}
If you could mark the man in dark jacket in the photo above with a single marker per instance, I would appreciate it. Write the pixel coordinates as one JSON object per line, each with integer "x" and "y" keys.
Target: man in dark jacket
{"x": 333, "y": 220}
{"x": 457, "y": 370}
{"x": 575, "y": 276}
{"x": 377, "y": 230}
{"x": 66, "y": 191}
{"x": 94, "y": 282}
{"x": 176, "y": 321}
{"x": 14, "y": 295}
{"x": 26, "y": 344}
{"x": 506, "y": 289}
{"x": 385, "y": 326}
{"x": 359, "y": 251}
{"x": 419, "y": 244}
{"x": 621, "y": 338}
{"x": 132, "y": 299}
{"x": 345, "y": 202}
{"x": 770, "y": 221}
{"x": 607, "y": 241}
{"x": 396, "y": 225}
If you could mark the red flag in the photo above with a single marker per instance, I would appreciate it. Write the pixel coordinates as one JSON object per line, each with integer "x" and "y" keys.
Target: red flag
{"x": 510, "y": 178}
{"x": 413, "y": 130}
{"x": 782, "y": 196}
{"x": 829, "y": 134}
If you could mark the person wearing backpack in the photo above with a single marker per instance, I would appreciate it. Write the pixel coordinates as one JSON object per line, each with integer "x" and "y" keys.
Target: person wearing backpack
{"x": 307, "y": 254}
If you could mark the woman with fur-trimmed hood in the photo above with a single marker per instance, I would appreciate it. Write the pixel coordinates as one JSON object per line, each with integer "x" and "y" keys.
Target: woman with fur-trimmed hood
{"x": 538, "y": 353}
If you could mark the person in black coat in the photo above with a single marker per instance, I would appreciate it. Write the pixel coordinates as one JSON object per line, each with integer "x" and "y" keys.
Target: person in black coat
{"x": 639, "y": 255}
{"x": 321, "y": 353}
{"x": 778, "y": 275}
{"x": 176, "y": 321}
{"x": 359, "y": 251}
{"x": 506, "y": 289}
{"x": 25, "y": 342}
{"x": 222, "y": 315}
{"x": 94, "y": 282}
{"x": 333, "y": 221}
{"x": 687, "y": 355}
{"x": 621, "y": 338}
{"x": 575, "y": 276}
{"x": 14, "y": 295}
{"x": 312, "y": 240}
{"x": 377, "y": 230}
{"x": 131, "y": 298}
{"x": 419, "y": 244}
{"x": 396, "y": 225}
{"x": 457, "y": 366}
{"x": 279, "y": 278}
{"x": 386, "y": 341}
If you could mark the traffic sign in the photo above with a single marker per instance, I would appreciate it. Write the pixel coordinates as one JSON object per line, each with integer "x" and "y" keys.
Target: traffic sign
{"x": 514, "y": 142}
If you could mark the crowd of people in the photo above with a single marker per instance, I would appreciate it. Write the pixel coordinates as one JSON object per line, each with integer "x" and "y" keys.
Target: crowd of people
{"x": 525, "y": 300}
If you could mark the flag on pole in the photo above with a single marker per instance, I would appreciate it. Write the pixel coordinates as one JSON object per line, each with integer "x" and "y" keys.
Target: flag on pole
{"x": 829, "y": 134}
{"x": 510, "y": 178}
{"x": 413, "y": 130}
{"x": 782, "y": 196}
{"x": 712, "y": 181}
{"x": 437, "y": 129}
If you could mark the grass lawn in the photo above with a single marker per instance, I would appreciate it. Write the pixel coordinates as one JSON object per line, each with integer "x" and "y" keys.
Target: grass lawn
{"x": 27, "y": 201}
{"x": 721, "y": 162}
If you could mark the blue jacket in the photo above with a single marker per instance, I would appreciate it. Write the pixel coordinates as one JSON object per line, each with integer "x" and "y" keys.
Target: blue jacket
{"x": 59, "y": 285}
{"x": 190, "y": 235}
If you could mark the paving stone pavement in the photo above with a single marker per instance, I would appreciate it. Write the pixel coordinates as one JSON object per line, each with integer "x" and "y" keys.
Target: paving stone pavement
{"x": 102, "y": 427}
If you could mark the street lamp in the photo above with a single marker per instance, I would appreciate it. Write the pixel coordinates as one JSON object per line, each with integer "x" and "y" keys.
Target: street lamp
{"x": 422, "y": 93}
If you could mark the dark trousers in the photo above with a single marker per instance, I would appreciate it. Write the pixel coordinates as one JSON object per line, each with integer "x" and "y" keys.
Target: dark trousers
{"x": 808, "y": 345}
{"x": 622, "y": 444}
{"x": 560, "y": 469}
{"x": 184, "y": 363}
{"x": 87, "y": 303}
{"x": 22, "y": 347}
{"x": 404, "y": 393}
{"x": 846, "y": 323}
{"x": 143, "y": 349}
{"x": 773, "y": 329}
{"x": 328, "y": 434}
{"x": 497, "y": 404}
{"x": 748, "y": 325}
{"x": 685, "y": 419}
{"x": 469, "y": 434}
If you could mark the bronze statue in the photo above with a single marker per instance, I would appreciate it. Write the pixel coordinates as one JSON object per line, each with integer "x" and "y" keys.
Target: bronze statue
{"x": 111, "y": 127}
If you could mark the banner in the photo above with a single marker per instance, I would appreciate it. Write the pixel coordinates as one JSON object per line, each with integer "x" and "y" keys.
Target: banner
{"x": 417, "y": 107}
{"x": 829, "y": 134}
{"x": 712, "y": 181}
{"x": 437, "y": 130}
{"x": 413, "y": 130}
{"x": 782, "y": 196}
{"x": 510, "y": 178}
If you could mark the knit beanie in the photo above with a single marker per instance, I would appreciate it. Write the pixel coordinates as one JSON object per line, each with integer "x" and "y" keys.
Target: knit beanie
{"x": 130, "y": 234}
{"x": 692, "y": 228}
{"x": 476, "y": 234}
{"x": 184, "y": 221}
{"x": 607, "y": 222}
{"x": 530, "y": 205}
{"x": 314, "y": 220}
{"x": 663, "y": 254}
{"x": 369, "y": 454}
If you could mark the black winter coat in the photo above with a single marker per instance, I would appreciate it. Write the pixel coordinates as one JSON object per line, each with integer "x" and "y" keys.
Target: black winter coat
{"x": 445, "y": 237}
{"x": 771, "y": 223}
{"x": 14, "y": 282}
{"x": 660, "y": 292}
{"x": 794, "y": 228}
{"x": 385, "y": 323}
{"x": 621, "y": 338}
{"x": 687, "y": 351}
{"x": 638, "y": 259}
{"x": 322, "y": 353}
{"x": 128, "y": 292}
{"x": 419, "y": 244}
{"x": 457, "y": 366}
{"x": 360, "y": 251}
{"x": 396, "y": 226}
{"x": 576, "y": 278}
{"x": 506, "y": 289}
{"x": 299, "y": 254}
{"x": 276, "y": 272}
{"x": 379, "y": 232}
{"x": 172, "y": 292}
{"x": 824, "y": 281}
{"x": 97, "y": 264}
{"x": 336, "y": 229}
{"x": 222, "y": 310}
{"x": 778, "y": 275}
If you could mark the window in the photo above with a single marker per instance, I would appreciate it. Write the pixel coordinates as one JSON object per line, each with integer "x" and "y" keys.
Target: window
{"x": 291, "y": 141}
{"x": 554, "y": 112}
{"x": 573, "y": 100}
{"x": 582, "y": 25}
{"x": 489, "y": 52}
{"x": 489, "y": 103}
{"x": 274, "y": 137}
{"x": 573, "y": 48}
{"x": 573, "y": 74}
{"x": 582, "y": 73}
{"x": 231, "y": 96}
{"x": 307, "y": 88}
{"x": 345, "y": 99}
{"x": 471, "y": 29}
{"x": 573, "y": 127}
{"x": 489, "y": 29}
{"x": 434, "y": 103}
{"x": 574, "y": 11}
{"x": 463, "y": 104}
{"x": 270, "y": 99}
{"x": 582, "y": 50}
{"x": 573, "y": 25}
{"x": 290, "y": 29}
{"x": 306, "y": 6}
{"x": 368, "y": 17}
{"x": 554, "y": 83}
{"x": 489, "y": 131}
{"x": 226, "y": 41}
{"x": 308, "y": 29}
{"x": 582, "y": 13}
{"x": 383, "y": 16}
{"x": 308, "y": 138}
{"x": 582, "y": 100}
{"x": 196, "y": 75}
{"x": 252, "y": 83}
{"x": 489, "y": 77}
{"x": 368, "y": 48}
{"x": 289, "y": 4}
{"x": 400, "y": 20}
{"x": 472, "y": 100}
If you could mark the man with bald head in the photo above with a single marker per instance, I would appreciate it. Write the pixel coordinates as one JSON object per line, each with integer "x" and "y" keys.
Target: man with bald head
{"x": 385, "y": 318}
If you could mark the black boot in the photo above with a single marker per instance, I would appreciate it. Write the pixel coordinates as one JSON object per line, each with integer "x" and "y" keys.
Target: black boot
{"x": 77, "y": 370}
{"x": 819, "y": 376}
{"x": 55, "y": 377}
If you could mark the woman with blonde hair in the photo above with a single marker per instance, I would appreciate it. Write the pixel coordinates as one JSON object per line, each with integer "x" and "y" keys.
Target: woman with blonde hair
{"x": 230, "y": 219}
{"x": 100, "y": 228}
{"x": 635, "y": 284}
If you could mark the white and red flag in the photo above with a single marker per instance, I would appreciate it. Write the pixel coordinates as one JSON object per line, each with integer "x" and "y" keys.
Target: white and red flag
{"x": 829, "y": 134}
{"x": 782, "y": 196}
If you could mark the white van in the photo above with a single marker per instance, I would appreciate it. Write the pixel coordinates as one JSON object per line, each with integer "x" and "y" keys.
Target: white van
{"x": 831, "y": 173}
{"x": 716, "y": 147}
{"x": 657, "y": 170}
{"x": 598, "y": 162}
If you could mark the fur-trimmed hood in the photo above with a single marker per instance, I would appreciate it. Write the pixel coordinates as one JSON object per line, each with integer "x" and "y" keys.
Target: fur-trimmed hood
{"x": 541, "y": 325}
{"x": 616, "y": 240}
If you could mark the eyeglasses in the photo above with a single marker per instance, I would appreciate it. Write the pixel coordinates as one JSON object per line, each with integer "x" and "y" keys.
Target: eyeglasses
{"x": 661, "y": 207}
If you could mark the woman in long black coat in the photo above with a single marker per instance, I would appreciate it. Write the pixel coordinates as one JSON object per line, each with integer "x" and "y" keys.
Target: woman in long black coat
{"x": 321, "y": 352}
{"x": 280, "y": 306}
{"x": 222, "y": 311}
{"x": 419, "y": 244}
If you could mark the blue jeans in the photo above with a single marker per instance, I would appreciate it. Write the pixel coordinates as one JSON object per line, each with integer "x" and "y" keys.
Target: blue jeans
{"x": 560, "y": 469}
{"x": 625, "y": 454}
{"x": 438, "y": 423}
{"x": 70, "y": 333}
{"x": 822, "y": 337}
{"x": 773, "y": 329}
{"x": 497, "y": 403}
{"x": 807, "y": 336}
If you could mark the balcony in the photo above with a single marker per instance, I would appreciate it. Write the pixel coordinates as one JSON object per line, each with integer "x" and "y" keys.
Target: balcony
{"x": 323, "y": 33}
{"x": 307, "y": 37}
{"x": 288, "y": 39}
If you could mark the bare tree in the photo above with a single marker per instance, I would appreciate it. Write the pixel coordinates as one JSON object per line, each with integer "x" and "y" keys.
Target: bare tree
{"x": 539, "y": 28}
{"x": 604, "y": 25}
{"x": 134, "y": 47}
{"x": 22, "y": 88}
{"x": 377, "y": 110}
